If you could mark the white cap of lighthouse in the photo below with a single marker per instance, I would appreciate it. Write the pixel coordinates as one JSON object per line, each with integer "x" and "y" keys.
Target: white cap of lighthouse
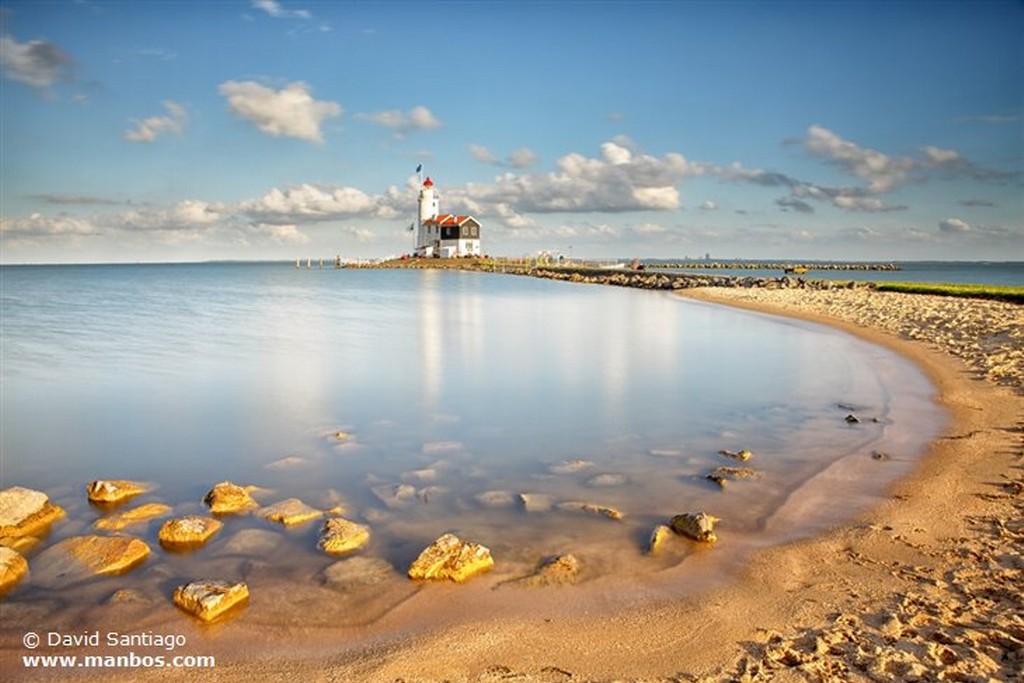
{"x": 429, "y": 202}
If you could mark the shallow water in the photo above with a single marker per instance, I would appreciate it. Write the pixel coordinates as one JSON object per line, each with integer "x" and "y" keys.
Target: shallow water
{"x": 464, "y": 386}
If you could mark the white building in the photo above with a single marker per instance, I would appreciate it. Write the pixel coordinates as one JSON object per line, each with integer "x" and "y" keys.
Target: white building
{"x": 443, "y": 234}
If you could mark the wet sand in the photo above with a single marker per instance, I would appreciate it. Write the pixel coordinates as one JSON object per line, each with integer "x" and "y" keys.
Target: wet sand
{"x": 926, "y": 583}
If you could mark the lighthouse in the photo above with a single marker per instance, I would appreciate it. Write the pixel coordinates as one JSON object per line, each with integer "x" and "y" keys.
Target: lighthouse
{"x": 444, "y": 235}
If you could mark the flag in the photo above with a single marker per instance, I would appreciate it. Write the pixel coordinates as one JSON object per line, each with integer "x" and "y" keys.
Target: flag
{"x": 419, "y": 168}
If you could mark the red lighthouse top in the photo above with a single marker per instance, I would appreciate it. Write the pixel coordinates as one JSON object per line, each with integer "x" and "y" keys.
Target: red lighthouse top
{"x": 428, "y": 182}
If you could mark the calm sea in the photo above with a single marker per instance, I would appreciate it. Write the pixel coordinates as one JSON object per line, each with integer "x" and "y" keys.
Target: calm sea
{"x": 460, "y": 391}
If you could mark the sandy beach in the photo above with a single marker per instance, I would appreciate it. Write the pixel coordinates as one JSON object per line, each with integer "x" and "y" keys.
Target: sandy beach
{"x": 925, "y": 586}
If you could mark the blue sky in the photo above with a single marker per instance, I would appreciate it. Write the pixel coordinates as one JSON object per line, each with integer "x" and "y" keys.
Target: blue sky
{"x": 164, "y": 131}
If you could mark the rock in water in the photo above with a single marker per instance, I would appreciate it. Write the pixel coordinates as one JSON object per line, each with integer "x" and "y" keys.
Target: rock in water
{"x": 185, "y": 532}
{"x": 136, "y": 515}
{"x": 289, "y": 512}
{"x": 852, "y": 419}
{"x": 659, "y": 537}
{"x": 591, "y": 508}
{"x": 340, "y": 536}
{"x": 449, "y": 558}
{"x": 208, "y": 599}
{"x": 227, "y": 498}
{"x": 79, "y": 557}
{"x": 699, "y": 526}
{"x": 113, "y": 491}
{"x": 357, "y": 574}
{"x": 12, "y": 567}
{"x": 25, "y": 512}
{"x": 741, "y": 455}
{"x": 557, "y": 571}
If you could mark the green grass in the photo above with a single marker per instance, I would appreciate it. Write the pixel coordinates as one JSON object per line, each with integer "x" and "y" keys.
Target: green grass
{"x": 1011, "y": 293}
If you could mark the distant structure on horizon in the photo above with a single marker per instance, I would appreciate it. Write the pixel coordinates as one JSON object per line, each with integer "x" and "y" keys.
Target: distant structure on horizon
{"x": 444, "y": 235}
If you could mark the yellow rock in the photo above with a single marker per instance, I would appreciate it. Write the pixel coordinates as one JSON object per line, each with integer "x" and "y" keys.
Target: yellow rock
{"x": 226, "y": 498}
{"x": 25, "y": 512}
{"x": 659, "y": 537}
{"x": 12, "y": 567}
{"x": 557, "y": 571}
{"x": 136, "y": 515}
{"x": 449, "y": 558}
{"x": 113, "y": 491}
{"x": 699, "y": 526}
{"x": 106, "y": 554}
{"x": 290, "y": 511}
{"x": 339, "y": 536}
{"x": 188, "y": 531}
{"x": 207, "y": 600}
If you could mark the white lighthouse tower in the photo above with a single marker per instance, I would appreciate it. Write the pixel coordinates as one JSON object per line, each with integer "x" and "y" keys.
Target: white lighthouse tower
{"x": 444, "y": 235}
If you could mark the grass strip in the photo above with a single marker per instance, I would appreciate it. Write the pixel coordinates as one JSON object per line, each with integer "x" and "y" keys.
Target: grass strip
{"x": 1011, "y": 293}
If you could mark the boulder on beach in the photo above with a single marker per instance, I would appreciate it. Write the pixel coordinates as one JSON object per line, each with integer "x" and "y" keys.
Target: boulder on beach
{"x": 227, "y": 498}
{"x": 290, "y": 512}
{"x": 25, "y": 512}
{"x": 340, "y": 536}
{"x": 185, "y": 532}
{"x": 451, "y": 559}
{"x": 136, "y": 515}
{"x": 208, "y": 599}
{"x": 12, "y": 567}
{"x": 113, "y": 491}
{"x": 560, "y": 570}
{"x": 699, "y": 526}
{"x": 80, "y": 557}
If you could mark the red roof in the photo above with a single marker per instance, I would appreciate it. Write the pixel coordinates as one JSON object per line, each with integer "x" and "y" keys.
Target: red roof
{"x": 447, "y": 219}
{"x": 428, "y": 182}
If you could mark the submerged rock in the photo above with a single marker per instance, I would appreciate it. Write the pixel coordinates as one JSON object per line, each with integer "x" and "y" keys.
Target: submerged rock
{"x": 289, "y": 512}
{"x": 340, "y": 536}
{"x": 253, "y": 542}
{"x": 113, "y": 491}
{"x": 723, "y": 475}
{"x": 396, "y": 496}
{"x": 607, "y": 480}
{"x": 358, "y": 573}
{"x": 496, "y": 499}
{"x": 449, "y": 558}
{"x": 741, "y": 455}
{"x": 535, "y": 502}
{"x": 25, "y": 512}
{"x": 852, "y": 419}
{"x": 557, "y": 571}
{"x": 12, "y": 567}
{"x": 209, "y": 599}
{"x": 699, "y": 526}
{"x": 659, "y": 537}
{"x": 79, "y": 557}
{"x": 227, "y": 498}
{"x": 184, "y": 532}
{"x": 591, "y": 508}
{"x": 569, "y": 466}
{"x": 136, "y": 515}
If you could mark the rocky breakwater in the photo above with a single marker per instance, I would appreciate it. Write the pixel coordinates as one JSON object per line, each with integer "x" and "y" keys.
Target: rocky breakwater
{"x": 643, "y": 279}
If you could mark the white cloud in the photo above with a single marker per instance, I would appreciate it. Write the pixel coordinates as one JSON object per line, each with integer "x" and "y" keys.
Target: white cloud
{"x": 417, "y": 118}
{"x": 708, "y": 206}
{"x": 483, "y": 154}
{"x": 311, "y": 204}
{"x": 35, "y": 63}
{"x": 936, "y": 156}
{"x": 517, "y": 158}
{"x": 274, "y": 9}
{"x": 880, "y": 171}
{"x": 954, "y": 225}
{"x": 290, "y": 112}
{"x": 153, "y": 127}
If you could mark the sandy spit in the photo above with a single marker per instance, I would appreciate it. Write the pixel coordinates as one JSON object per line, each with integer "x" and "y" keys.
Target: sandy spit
{"x": 926, "y": 586}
